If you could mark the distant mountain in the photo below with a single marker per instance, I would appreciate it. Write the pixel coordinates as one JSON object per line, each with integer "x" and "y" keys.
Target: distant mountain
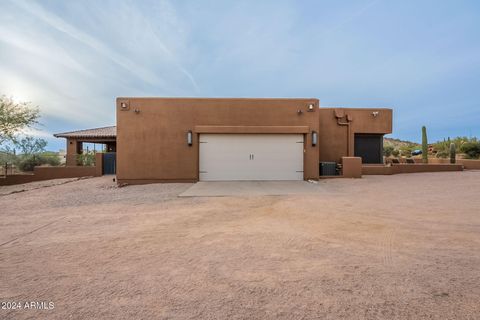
{"x": 398, "y": 144}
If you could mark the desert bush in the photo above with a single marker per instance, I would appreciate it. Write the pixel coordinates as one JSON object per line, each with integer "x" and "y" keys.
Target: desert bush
{"x": 471, "y": 149}
{"x": 28, "y": 162}
{"x": 406, "y": 151}
{"x": 51, "y": 160}
{"x": 86, "y": 159}
{"x": 442, "y": 154}
{"x": 7, "y": 157}
{"x": 395, "y": 153}
{"x": 387, "y": 151}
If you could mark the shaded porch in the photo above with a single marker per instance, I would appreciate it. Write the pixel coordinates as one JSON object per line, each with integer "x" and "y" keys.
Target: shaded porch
{"x": 75, "y": 140}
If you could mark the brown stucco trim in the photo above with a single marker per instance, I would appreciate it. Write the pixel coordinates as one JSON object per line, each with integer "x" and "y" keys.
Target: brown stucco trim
{"x": 251, "y": 129}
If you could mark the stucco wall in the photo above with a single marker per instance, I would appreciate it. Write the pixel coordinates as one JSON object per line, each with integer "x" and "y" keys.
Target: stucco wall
{"x": 151, "y": 134}
{"x": 409, "y": 168}
{"x": 337, "y": 141}
{"x": 469, "y": 164}
{"x": 351, "y": 167}
{"x": 48, "y": 173}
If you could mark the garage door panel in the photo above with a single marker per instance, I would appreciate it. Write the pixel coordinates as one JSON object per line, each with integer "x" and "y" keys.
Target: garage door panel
{"x": 251, "y": 157}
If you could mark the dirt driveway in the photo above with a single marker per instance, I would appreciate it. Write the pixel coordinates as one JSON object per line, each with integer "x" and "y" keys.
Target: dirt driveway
{"x": 382, "y": 247}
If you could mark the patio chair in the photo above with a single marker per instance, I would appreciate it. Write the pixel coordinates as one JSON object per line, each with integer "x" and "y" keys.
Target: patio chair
{"x": 395, "y": 161}
{"x": 410, "y": 161}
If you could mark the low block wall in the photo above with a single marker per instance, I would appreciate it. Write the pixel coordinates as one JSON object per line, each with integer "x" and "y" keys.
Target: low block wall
{"x": 376, "y": 170}
{"x": 468, "y": 164}
{"x": 409, "y": 168}
{"x": 17, "y": 179}
{"x": 48, "y": 173}
{"x": 351, "y": 167}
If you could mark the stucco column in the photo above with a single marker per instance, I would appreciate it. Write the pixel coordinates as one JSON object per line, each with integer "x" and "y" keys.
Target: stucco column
{"x": 74, "y": 148}
{"x": 98, "y": 164}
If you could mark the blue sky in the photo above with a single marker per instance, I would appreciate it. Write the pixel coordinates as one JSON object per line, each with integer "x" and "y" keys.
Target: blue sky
{"x": 73, "y": 58}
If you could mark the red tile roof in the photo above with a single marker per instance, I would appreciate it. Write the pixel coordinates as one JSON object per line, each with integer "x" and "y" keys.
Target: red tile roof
{"x": 104, "y": 132}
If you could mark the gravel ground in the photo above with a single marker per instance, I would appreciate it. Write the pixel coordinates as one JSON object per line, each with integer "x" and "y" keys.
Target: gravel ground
{"x": 381, "y": 247}
{"x": 6, "y": 190}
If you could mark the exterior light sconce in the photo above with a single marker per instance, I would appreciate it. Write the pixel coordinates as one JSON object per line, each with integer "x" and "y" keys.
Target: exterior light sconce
{"x": 311, "y": 107}
{"x": 189, "y": 138}
{"x": 375, "y": 114}
{"x": 124, "y": 106}
{"x": 137, "y": 111}
{"x": 314, "y": 138}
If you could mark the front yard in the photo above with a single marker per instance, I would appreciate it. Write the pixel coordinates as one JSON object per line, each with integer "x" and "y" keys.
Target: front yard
{"x": 386, "y": 247}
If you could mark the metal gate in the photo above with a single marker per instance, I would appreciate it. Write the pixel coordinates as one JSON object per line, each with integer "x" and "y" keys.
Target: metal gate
{"x": 109, "y": 163}
{"x": 369, "y": 147}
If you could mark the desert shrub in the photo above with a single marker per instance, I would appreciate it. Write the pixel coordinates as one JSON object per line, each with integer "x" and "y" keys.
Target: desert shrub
{"x": 387, "y": 151}
{"x": 86, "y": 159}
{"x": 28, "y": 162}
{"x": 406, "y": 151}
{"x": 395, "y": 153}
{"x": 471, "y": 149}
{"x": 6, "y": 157}
{"x": 442, "y": 154}
{"x": 50, "y": 160}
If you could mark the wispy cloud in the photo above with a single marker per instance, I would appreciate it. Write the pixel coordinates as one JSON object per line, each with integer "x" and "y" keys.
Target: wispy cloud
{"x": 37, "y": 133}
{"x": 74, "y": 57}
{"x": 59, "y": 24}
{"x": 73, "y": 60}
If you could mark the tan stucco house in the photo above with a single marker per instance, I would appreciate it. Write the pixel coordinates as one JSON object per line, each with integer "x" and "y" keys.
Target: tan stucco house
{"x": 203, "y": 139}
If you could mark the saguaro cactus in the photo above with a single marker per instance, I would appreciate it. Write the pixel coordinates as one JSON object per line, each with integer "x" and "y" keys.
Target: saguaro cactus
{"x": 424, "y": 145}
{"x": 453, "y": 153}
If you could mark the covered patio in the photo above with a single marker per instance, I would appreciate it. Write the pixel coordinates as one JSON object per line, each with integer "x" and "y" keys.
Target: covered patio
{"x": 106, "y": 136}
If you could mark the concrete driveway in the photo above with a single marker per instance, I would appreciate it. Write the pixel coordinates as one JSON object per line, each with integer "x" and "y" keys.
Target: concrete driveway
{"x": 249, "y": 188}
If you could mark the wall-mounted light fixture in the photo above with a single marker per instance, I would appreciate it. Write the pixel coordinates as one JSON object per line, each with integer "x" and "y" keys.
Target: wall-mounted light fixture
{"x": 189, "y": 137}
{"x": 124, "y": 106}
{"x": 311, "y": 107}
{"x": 314, "y": 138}
{"x": 375, "y": 114}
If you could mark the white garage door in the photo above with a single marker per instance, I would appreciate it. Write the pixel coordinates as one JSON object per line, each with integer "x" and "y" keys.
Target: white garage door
{"x": 251, "y": 157}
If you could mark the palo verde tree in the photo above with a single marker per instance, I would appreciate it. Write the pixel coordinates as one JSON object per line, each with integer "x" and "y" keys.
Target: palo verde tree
{"x": 14, "y": 117}
{"x": 424, "y": 145}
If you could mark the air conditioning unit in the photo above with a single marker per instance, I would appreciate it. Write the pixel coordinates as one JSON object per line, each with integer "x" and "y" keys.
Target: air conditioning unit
{"x": 328, "y": 168}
